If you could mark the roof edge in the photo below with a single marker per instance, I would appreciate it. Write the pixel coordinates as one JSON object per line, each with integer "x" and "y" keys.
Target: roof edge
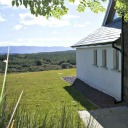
{"x": 110, "y": 12}
{"x": 96, "y": 44}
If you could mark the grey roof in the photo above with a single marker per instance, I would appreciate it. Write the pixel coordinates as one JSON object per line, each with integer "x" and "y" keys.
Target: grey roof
{"x": 104, "y": 35}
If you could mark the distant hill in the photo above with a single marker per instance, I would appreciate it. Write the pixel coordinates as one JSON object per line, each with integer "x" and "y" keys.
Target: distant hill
{"x": 32, "y": 49}
{"x": 42, "y": 61}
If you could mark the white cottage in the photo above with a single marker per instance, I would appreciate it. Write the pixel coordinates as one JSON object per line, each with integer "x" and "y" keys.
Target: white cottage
{"x": 98, "y": 63}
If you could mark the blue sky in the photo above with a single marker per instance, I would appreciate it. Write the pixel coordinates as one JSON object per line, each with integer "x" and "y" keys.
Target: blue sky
{"x": 18, "y": 27}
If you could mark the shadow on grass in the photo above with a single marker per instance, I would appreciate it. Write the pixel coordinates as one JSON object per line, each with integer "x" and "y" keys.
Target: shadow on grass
{"x": 80, "y": 98}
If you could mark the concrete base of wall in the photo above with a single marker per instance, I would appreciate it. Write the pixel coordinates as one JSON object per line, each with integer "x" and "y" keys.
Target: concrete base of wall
{"x": 115, "y": 117}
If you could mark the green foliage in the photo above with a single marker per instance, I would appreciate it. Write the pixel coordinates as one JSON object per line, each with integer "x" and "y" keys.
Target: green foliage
{"x": 57, "y": 8}
{"x": 122, "y": 7}
{"x": 47, "y": 8}
{"x": 94, "y": 5}
{"x": 38, "y": 61}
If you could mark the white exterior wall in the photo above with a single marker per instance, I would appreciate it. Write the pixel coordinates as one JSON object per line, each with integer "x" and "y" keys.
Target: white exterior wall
{"x": 106, "y": 80}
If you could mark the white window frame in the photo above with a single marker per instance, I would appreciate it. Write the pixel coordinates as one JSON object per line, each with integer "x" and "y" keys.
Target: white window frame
{"x": 104, "y": 58}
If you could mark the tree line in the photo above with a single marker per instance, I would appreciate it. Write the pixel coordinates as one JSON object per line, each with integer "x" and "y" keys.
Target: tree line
{"x": 39, "y": 61}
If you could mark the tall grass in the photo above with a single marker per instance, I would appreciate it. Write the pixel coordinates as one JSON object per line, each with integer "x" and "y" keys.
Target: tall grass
{"x": 14, "y": 111}
{"x": 3, "y": 98}
{"x": 64, "y": 117}
{"x": 4, "y": 80}
{"x": 3, "y": 93}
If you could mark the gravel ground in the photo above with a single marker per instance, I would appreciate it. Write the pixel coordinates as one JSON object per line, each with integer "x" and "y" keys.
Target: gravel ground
{"x": 95, "y": 96}
{"x": 69, "y": 79}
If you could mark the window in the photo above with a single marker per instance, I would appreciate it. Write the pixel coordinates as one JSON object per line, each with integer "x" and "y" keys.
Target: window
{"x": 104, "y": 58}
{"x": 115, "y": 59}
{"x": 95, "y": 57}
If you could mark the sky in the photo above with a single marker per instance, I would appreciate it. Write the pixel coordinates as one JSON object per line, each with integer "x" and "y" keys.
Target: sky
{"x": 18, "y": 27}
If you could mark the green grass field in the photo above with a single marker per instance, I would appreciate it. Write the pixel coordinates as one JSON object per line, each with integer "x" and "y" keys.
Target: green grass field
{"x": 45, "y": 90}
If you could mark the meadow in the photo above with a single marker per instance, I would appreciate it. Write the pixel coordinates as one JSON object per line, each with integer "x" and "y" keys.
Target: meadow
{"x": 45, "y": 91}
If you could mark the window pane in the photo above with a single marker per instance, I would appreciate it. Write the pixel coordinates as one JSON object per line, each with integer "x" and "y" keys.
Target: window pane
{"x": 115, "y": 59}
{"x": 104, "y": 58}
{"x": 95, "y": 57}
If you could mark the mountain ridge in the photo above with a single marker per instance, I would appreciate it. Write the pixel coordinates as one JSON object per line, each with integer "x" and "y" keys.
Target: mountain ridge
{"x": 32, "y": 49}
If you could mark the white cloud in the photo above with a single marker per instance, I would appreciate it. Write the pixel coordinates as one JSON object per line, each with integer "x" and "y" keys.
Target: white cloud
{"x": 55, "y": 32}
{"x": 66, "y": 41}
{"x": 75, "y": 3}
{"x": 6, "y": 2}
{"x": 69, "y": 16}
{"x": 5, "y": 43}
{"x": 18, "y": 27}
{"x": 81, "y": 24}
{"x": 47, "y": 41}
{"x": 2, "y": 19}
{"x": 29, "y": 19}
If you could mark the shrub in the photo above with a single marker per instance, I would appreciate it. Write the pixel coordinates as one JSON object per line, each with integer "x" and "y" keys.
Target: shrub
{"x": 38, "y": 63}
{"x": 66, "y": 65}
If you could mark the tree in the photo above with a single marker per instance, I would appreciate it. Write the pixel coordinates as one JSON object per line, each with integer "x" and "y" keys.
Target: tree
{"x": 57, "y": 8}
{"x": 122, "y": 6}
{"x": 38, "y": 63}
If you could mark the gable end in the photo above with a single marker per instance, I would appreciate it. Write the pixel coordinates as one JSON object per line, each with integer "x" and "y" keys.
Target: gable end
{"x": 110, "y": 12}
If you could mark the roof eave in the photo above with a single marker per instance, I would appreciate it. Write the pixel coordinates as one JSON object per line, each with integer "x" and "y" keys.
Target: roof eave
{"x": 96, "y": 44}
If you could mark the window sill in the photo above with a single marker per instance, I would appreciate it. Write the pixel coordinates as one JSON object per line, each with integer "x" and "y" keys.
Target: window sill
{"x": 95, "y": 65}
{"x": 115, "y": 70}
{"x": 104, "y": 67}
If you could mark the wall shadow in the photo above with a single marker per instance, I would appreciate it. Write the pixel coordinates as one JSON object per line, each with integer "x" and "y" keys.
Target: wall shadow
{"x": 82, "y": 92}
{"x": 79, "y": 97}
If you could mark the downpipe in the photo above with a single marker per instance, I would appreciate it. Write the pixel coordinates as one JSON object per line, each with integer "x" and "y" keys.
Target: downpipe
{"x": 122, "y": 60}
